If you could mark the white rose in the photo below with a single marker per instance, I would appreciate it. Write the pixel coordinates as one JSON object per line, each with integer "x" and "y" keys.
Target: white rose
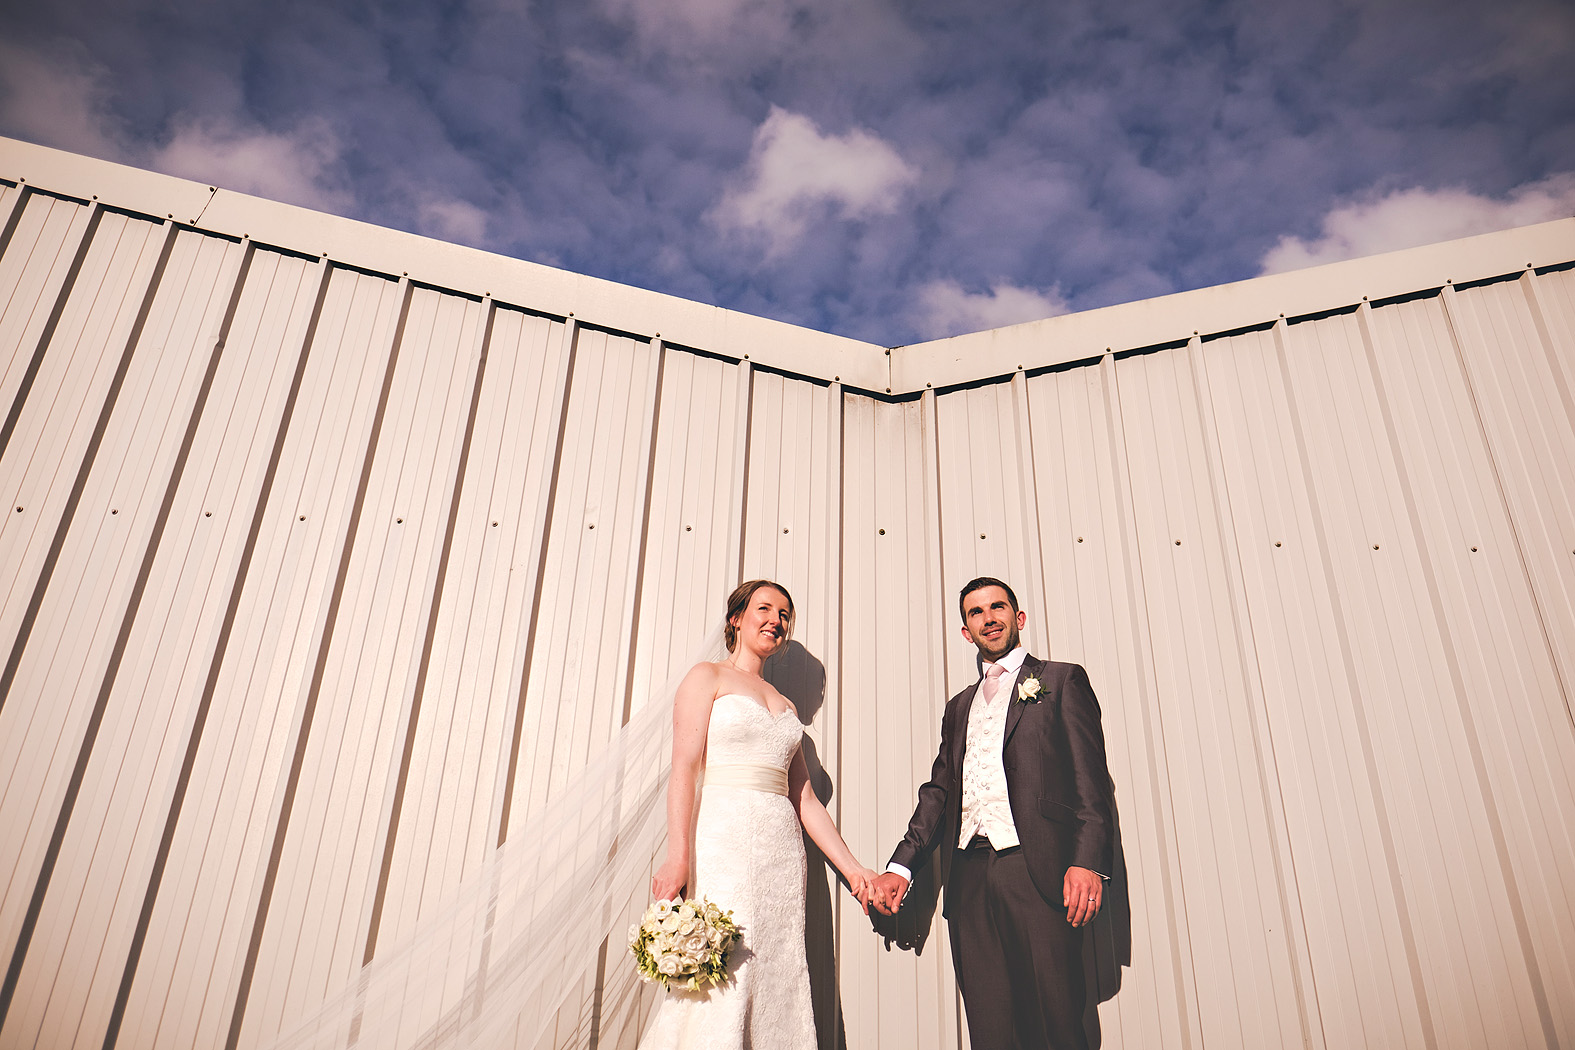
{"x": 668, "y": 966}
{"x": 668, "y": 924}
{"x": 660, "y": 910}
{"x": 686, "y": 910}
{"x": 696, "y": 944}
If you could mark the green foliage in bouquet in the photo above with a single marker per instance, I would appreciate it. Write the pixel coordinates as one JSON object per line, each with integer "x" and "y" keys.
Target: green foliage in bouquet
{"x": 683, "y": 943}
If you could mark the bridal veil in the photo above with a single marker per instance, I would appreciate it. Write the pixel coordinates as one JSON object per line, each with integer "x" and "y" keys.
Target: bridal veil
{"x": 532, "y": 952}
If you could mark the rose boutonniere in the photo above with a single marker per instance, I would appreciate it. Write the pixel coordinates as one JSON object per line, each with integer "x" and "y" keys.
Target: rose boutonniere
{"x": 1028, "y": 690}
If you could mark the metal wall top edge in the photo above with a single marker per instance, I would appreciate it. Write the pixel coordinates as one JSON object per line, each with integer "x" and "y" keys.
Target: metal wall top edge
{"x": 905, "y": 371}
{"x": 1228, "y": 307}
{"x": 442, "y": 265}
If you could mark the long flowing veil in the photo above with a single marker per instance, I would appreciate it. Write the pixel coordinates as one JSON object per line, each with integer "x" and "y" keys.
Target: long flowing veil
{"x": 531, "y": 951}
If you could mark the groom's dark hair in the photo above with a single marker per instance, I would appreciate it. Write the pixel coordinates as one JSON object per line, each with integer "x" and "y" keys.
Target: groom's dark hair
{"x": 974, "y": 585}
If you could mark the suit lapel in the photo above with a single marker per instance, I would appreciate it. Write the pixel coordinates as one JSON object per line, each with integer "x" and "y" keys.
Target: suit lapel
{"x": 960, "y": 735}
{"x": 1014, "y": 714}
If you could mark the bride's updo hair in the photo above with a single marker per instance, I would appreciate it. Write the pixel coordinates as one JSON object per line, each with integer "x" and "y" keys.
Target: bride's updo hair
{"x": 738, "y": 601}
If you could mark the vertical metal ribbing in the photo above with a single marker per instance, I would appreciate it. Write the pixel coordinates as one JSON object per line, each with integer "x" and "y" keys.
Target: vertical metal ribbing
{"x": 1028, "y": 505}
{"x": 13, "y": 214}
{"x": 1153, "y": 719}
{"x": 1354, "y": 688}
{"x": 737, "y": 511}
{"x": 1452, "y": 317}
{"x": 547, "y": 500}
{"x": 122, "y": 638}
{"x": 95, "y": 215}
{"x": 834, "y": 566}
{"x": 644, "y": 483}
{"x": 1292, "y": 921}
{"x": 434, "y": 608}
{"x": 1457, "y": 681}
{"x": 46, "y": 571}
{"x": 302, "y": 730}
{"x": 221, "y": 647}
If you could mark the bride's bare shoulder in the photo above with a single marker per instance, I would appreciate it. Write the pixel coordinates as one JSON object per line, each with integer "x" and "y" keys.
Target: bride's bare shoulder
{"x": 702, "y": 677}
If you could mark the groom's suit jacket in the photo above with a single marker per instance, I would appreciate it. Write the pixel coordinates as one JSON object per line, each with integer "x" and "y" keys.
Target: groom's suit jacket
{"x": 1057, "y": 782}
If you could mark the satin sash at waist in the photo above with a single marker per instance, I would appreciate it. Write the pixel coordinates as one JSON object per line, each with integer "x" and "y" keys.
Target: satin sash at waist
{"x": 751, "y": 775}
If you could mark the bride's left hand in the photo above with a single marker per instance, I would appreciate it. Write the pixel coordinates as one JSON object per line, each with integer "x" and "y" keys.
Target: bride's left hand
{"x": 861, "y": 883}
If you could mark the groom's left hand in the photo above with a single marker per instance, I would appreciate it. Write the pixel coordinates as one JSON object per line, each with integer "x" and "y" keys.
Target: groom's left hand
{"x": 1082, "y": 892}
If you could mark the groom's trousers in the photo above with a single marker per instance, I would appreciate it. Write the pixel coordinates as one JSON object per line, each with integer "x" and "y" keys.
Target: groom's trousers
{"x": 1019, "y": 962}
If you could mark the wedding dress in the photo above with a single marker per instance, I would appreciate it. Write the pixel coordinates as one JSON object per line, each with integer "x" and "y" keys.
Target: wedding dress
{"x": 529, "y": 951}
{"x": 749, "y": 859}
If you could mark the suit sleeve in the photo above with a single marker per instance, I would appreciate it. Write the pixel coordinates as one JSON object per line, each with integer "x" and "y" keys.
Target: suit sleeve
{"x": 913, "y": 852}
{"x": 1092, "y": 846}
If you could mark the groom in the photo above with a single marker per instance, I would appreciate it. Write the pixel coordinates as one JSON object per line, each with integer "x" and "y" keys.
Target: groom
{"x": 1017, "y": 819}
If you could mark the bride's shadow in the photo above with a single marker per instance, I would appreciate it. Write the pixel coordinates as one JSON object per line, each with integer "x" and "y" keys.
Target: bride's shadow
{"x": 799, "y": 675}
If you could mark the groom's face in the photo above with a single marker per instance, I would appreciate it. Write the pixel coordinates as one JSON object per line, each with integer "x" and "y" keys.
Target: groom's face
{"x": 990, "y": 622}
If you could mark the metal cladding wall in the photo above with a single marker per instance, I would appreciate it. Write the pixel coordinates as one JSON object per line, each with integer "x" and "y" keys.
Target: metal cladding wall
{"x": 320, "y": 566}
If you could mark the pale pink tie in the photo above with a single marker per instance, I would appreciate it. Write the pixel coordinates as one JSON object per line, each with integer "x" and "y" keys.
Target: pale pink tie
{"x": 992, "y": 681}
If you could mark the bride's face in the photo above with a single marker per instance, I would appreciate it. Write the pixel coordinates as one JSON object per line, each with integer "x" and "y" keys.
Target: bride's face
{"x": 763, "y": 625}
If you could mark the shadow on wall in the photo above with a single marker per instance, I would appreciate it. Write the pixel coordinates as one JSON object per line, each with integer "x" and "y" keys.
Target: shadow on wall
{"x": 800, "y": 676}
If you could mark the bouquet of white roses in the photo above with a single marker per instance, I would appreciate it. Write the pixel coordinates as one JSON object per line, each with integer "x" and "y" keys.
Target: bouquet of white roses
{"x": 683, "y": 942}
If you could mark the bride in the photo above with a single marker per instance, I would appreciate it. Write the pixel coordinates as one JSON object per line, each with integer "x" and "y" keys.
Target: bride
{"x": 525, "y": 951}
{"x": 738, "y": 841}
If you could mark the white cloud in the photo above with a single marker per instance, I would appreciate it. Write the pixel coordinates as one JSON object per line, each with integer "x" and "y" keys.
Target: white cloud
{"x": 945, "y": 308}
{"x": 451, "y": 219}
{"x": 55, "y": 95}
{"x": 1407, "y": 218}
{"x": 59, "y": 97}
{"x": 295, "y": 166}
{"x": 795, "y": 173}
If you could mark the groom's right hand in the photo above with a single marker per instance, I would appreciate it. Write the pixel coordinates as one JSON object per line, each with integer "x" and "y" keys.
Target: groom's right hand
{"x": 889, "y": 889}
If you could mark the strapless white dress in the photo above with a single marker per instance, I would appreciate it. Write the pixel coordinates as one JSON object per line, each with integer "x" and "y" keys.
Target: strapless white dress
{"x": 749, "y": 858}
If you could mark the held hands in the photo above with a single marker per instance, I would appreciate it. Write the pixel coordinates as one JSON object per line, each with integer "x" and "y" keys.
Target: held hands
{"x": 1082, "y": 892}
{"x": 861, "y": 882}
{"x": 668, "y": 882}
{"x": 887, "y": 892}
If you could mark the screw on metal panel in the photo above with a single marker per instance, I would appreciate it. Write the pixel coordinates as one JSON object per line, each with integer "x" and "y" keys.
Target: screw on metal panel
{"x": 888, "y": 353}
{"x": 303, "y": 517}
{"x": 19, "y": 510}
{"x": 981, "y": 535}
{"x": 1080, "y": 539}
{"x": 1473, "y": 550}
{"x": 784, "y": 530}
{"x": 883, "y": 532}
{"x": 888, "y": 390}
{"x": 836, "y": 379}
{"x": 399, "y": 521}
{"x": 689, "y": 528}
{"x": 1276, "y": 543}
{"x": 494, "y": 524}
{"x": 1178, "y": 543}
{"x": 929, "y": 384}
{"x": 114, "y": 510}
{"x": 1375, "y": 546}
{"x": 207, "y": 513}
{"x": 592, "y": 525}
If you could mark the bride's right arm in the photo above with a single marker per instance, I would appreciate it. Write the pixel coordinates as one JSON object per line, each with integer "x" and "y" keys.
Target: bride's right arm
{"x": 691, "y": 717}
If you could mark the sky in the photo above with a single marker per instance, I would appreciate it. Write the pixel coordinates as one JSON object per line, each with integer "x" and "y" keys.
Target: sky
{"x": 889, "y": 171}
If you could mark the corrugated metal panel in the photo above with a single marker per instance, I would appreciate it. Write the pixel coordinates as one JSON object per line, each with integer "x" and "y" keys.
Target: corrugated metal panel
{"x": 1230, "y": 833}
{"x": 151, "y": 699}
{"x": 453, "y": 544}
{"x": 67, "y": 663}
{"x": 204, "y": 919}
{"x": 1096, "y": 617}
{"x": 893, "y": 679}
{"x": 1470, "y": 967}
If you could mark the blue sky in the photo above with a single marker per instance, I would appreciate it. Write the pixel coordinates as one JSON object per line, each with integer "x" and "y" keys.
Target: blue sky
{"x": 889, "y": 171}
